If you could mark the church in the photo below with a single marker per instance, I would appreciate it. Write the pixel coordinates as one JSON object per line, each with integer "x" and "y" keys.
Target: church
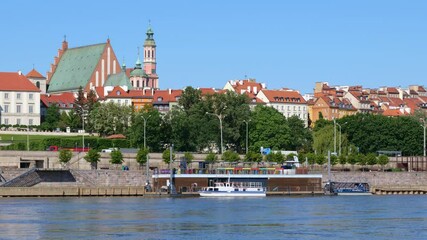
{"x": 96, "y": 65}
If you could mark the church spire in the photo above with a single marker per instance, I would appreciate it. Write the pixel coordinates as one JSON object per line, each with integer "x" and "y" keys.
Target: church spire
{"x": 138, "y": 64}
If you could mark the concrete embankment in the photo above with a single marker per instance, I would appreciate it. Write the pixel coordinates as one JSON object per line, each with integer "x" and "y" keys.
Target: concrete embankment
{"x": 385, "y": 182}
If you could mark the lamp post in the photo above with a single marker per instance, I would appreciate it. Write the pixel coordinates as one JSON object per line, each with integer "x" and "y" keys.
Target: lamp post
{"x": 220, "y": 117}
{"x": 28, "y": 138}
{"x": 247, "y": 135}
{"x": 335, "y": 137}
{"x": 83, "y": 125}
{"x": 145, "y": 147}
{"x": 339, "y": 151}
{"x": 424, "y": 127}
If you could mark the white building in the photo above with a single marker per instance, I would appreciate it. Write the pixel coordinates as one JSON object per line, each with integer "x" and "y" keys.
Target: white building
{"x": 287, "y": 102}
{"x": 19, "y": 100}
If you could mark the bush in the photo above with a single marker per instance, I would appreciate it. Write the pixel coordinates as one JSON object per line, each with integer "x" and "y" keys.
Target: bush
{"x": 230, "y": 156}
{"x": 166, "y": 156}
{"x": 211, "y": 158}
{"x": 253, "y": 157}
{"x": 188, "y": 157}
{"x": 65, "y": 156}
{"x": 120, "y": 143}
{"x": 92, "y": 156}
{"x": 116, "y": 157}
{"x": 141, "y": 156}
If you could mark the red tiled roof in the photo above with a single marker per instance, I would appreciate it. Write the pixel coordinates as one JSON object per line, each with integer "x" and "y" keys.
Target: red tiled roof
{"x": 393, "y": 113}
{"x": 34, "y": 74}
{"x": 284, "y": 96}
{"x": 392, "y": 90}
{"x": 13, "y": 81}
{"x": 166, "y": 97}
{"x": 206, "y": 91}
{"x": 117, "y": 92}
{"x": 100, "y": 92}
{"x": 421, "y": 89}
{"x": 66, "y": 98}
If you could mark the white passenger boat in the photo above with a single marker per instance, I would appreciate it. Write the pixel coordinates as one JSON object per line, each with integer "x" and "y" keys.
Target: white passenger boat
{"x": 234, "y": 189}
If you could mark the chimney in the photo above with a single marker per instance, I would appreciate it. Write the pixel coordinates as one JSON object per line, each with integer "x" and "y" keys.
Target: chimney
{"x": 170, "y": 91}
{"x": 255, "y": 90}
{"x": 19, "y": 72}
{"x": 152, "y": 91}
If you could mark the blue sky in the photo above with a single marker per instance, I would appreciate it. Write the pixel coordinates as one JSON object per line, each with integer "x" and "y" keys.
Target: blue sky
{"x": 289, "y": 44}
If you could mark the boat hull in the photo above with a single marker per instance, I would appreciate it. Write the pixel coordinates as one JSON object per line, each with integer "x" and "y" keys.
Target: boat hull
{"x": 355, "y": 194}
{"x": 232, "y": 194}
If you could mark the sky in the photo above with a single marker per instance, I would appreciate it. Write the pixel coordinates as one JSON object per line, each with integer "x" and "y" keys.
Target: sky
{"x": 290, "y": 44}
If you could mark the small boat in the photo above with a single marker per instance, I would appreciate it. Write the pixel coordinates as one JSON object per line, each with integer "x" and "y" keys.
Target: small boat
{"x": 234, "y": 189}
{"x": 347, "y": 188}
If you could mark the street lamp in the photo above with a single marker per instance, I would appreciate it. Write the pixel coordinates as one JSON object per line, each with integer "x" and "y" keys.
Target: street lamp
{"x": 247, "y": 128}
{"x": 28, "y": 138}
{"x": 424, "y": 126}
{"x": 335, "y": 137}
{"x": 220, "y": 117}
{"x": 83, "y": 125}
{"x": 339, "y": 151}
{"x": 145, "y": 147}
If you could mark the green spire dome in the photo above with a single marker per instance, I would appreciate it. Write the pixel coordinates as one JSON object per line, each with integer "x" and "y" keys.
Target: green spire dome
{"x": 149, "y": 41}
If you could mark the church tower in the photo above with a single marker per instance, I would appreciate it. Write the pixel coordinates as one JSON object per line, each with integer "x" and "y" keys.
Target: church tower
{"x": 150, "y": 58}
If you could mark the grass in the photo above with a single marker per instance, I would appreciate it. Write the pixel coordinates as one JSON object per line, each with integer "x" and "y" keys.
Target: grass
{"x": 23, "y": 137}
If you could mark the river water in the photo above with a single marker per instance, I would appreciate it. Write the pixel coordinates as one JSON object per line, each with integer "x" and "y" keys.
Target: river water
{"x": 323, "y": 217}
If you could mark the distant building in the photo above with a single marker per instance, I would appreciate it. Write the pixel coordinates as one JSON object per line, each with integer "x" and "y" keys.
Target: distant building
{"x": 19, "y": 100}
{"x": 86, "y": 67}
{"x": 287, "y": 102}
{"x": 38, "y": 80}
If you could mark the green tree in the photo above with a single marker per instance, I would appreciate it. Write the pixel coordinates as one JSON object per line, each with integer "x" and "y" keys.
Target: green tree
{"x": 253, "y": 157}
{"x": 230, "y": 156}
{"x": 166, "y": 156}
{"x": 383, "y": 160}
{"x": 320, "y": 159}
{"x": 155, "y": 134}
{"x": 302, "y": 137}
{"x": 65, "y": 156}
{"x": 342, "y": 159}
{"x": 189, "y": 157}
{"x": 352, "y": 159}
{"x": 334, "y": 160}
{"x": 116, "y": 157}
{"x": 211, "y": 158}
{"x": 93, "y": 157}
{"x": 268, "y": 129}
{"x": 361, "y": 160}
{"x": 371, "y": 159}
{"x": 111, "y": 118}
{"x": 311, "y": 158}
{"x": 52, "y": 117}
{"x": 142, "y": 155}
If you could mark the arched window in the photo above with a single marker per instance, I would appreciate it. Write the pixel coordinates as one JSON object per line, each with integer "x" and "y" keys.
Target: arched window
{"x": 38, "y": 84}
{"x": 148, "y": 54}
{"x": 137, "y": 83}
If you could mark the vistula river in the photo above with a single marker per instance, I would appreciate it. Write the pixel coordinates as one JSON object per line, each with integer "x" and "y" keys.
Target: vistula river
{"x": 339, "y": 217}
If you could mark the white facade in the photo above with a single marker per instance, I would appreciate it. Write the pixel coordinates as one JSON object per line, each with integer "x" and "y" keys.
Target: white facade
{"x": 288, "y": 109}
{"x": 18, "y": 107}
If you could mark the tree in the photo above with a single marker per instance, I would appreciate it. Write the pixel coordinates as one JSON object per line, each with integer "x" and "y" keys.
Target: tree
{"x": 111, "y": 118}
{"x": 116, "y": 157}
{"x": 230, "y": 156}
{"x": 166, "y": 156}
{"x": 302, "y": 137}
{"x": 155, "y": 135}
{"x": 383, "y": 160}
{"x": 52, "y": 117}
{"x": 93, "y": 157}
{"x": 141, "y": 156}
{"x": 253, "y": 157}
{"x": 361, "y": 160}
{"x": 189, "y": 98}
{"x": 352, "y": 159}
{"x": 188, "y": 157}
{"x": 342, "y": 159}
{"x": 65, "y": 156}
{"x": 371, "y": 159}
{"x": 211, "y": 158}
{"x": 320, "y": 159}
{"x": 334, "y": 160}
{"x": 80, "y": 104}
{"x": 311, "y": 158}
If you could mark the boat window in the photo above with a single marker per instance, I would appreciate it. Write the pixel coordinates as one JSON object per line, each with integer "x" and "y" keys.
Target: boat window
{"x": 244, "y": 190}
{"x": 236, "y": 189}
{"x": 216, "y": 189}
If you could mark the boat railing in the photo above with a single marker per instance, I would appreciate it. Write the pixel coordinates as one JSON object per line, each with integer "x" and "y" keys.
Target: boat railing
{"x": 232, "y": 171}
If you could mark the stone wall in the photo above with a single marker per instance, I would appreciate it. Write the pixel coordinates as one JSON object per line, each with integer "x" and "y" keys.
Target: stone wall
{"x": 384, "y": 179}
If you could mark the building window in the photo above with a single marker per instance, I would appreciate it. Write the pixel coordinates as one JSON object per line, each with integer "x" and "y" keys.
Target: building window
{"x": 119, "y": 101}
{"x": 137, "y": 83}
{"x": 18, "y": 108}
{"x": 31, "y": 96}
{"x": 38, "y": 84}
{"x": 18, "y": 96}
{"x": 6, "y": 95}
{"x": 30, "y": 109}
{"x": 6, "y": 108}
{"x": 30, "y": 122}
{"x": 6, "y": 121}
{"x": 18, "y": 121}
{"x": 126, "y": 102}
